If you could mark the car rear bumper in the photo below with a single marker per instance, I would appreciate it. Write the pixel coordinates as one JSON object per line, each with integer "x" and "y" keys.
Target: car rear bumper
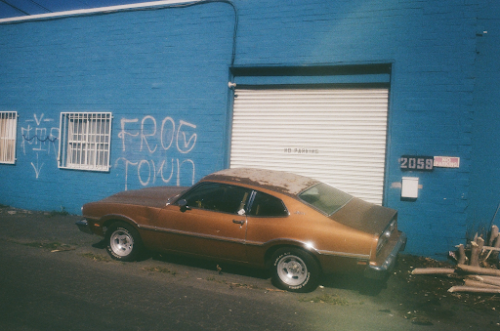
{"x": 83, "y": 226}
{"x": 381, "y": 270}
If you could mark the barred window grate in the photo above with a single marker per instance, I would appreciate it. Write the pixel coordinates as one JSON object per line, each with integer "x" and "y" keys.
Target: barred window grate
{"x": 85, "y": 141}
{"x": 8, "y": 129}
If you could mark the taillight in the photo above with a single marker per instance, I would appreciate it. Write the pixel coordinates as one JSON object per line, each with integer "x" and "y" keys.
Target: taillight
{"x": 386, "y": 234}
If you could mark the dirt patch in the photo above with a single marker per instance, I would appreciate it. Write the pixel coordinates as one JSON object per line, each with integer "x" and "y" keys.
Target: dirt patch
{"x": 332, "y": 299}
{"x": 425, "y": 299}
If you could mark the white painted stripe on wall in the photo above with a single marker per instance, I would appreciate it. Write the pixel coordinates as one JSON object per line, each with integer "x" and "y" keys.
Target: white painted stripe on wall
{"x": 79, "y": 12}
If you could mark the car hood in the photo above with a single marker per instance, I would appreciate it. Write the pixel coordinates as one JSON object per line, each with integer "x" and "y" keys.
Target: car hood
{"x": 151, "y": 196}
{"x": 364, "y": 216}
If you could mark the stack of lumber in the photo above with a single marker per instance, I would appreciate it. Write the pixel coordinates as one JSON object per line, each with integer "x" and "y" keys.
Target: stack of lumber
{"x": 477, "y": 263}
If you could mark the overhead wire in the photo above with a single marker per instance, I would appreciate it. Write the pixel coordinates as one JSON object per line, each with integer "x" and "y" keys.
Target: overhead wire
{"x": 39, "y": 5}
{"x": 202, "y": 2}
{"x": 16, "y": 8}
{"x": 111, "y": 10}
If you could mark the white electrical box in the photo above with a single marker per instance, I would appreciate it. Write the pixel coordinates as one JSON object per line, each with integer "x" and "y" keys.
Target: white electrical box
{"x": 409, "y": 188}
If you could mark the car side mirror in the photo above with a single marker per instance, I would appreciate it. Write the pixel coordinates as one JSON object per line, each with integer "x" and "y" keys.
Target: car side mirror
{"x": 241, "y": 212}
{"x": 183, "y": 204}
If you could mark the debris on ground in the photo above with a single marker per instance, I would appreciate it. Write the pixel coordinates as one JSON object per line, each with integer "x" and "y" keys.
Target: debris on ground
{"x": 478, "y": 264}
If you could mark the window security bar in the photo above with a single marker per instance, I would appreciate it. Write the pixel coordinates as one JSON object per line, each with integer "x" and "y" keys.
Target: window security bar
{"x": 85, "y": 141}
{"x": 8, "y": 132}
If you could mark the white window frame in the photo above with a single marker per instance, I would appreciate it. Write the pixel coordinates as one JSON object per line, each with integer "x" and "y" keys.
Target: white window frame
{"x": 8, "y": 135}
{"x": 83, "y": 146}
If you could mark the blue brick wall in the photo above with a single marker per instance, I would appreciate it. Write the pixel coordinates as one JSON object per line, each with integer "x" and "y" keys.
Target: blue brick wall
{"x": 157, "y": 71}
{"x": 485, "y": 167}
{"x": 165, "y": 71}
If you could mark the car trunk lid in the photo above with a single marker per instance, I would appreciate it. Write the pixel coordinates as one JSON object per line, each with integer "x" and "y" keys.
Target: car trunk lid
{"x": 364, "y": 216}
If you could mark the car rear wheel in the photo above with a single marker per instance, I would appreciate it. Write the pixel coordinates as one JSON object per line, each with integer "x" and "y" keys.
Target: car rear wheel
{"x": 295, "y": 270}
{"x": 123, "y": 242}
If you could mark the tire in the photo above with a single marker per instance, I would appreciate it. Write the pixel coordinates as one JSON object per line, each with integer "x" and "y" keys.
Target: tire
{"x": 123, "y": 242}
{"x": 295, "y": 270}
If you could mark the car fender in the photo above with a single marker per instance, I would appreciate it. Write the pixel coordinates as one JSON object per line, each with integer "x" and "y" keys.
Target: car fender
{"x": 272, "y": 245}
{"x": 107, "y": 220}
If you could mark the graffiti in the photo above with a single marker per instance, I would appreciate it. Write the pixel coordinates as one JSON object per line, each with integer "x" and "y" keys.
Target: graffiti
{"x": 168, "y": 134}
{"x": 148, "y": 171}
{"x": 37, "y": 167}
{"x": 39, "y": 137}
{"x": 145, "y": 145}
{"x": 187, "y": 141}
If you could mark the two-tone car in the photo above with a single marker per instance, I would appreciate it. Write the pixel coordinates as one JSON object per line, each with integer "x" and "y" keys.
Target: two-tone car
{"x": 298, "y": 227}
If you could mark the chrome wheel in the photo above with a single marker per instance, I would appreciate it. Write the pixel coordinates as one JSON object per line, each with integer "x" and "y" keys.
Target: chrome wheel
{"x": 292, "y": 270}
{"x": 295, "y": 270}
{"x": 121, "y": 242}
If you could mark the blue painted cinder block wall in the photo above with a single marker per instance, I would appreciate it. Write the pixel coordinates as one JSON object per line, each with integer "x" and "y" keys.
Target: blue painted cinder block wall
{"x": 164, "y": 73}
{"x": 485, "y": 165}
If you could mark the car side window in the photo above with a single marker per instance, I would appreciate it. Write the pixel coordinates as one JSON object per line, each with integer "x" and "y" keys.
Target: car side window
{"x": 217, "y": 197}
{"x": 265, "y": 205}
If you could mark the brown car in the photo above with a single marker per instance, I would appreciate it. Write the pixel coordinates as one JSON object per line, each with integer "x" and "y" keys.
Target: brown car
{"x": 297, "y": 226}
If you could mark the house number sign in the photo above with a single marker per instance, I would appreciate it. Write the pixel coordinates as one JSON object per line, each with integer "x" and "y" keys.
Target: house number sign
{"x": 416, "y": 163}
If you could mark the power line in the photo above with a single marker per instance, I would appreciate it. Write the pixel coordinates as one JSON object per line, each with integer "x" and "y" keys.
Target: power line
{"x": 16, "y": 8}
{"x": 39, "y": 5}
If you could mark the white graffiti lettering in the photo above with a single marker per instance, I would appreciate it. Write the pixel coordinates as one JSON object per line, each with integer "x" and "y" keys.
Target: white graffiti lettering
{"x": 39, "y": 139}
{"x": 37, "y": 168}
{"x": 153, "y": 174}
{"x": 140, "y": 153}
{"x": 164, "y": 131}
{"x": 191, "y": 141}
{"x": 143, "y": 136}
{"x": 122, "y": 135}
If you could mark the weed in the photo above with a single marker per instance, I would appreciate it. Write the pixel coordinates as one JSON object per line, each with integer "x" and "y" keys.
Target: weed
{"x": 213, "y": 279}
{"x": 239, "y": 285}
{"x": 96, "y": 257}
{"x": 332, "y": 299}
{"x": 62, "y": 212}
{"x": 161, "y": 270}
{"x": 52, "y": 246}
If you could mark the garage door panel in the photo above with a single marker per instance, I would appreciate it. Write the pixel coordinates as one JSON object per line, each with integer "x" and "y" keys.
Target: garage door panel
{"x": 334, "y": 135}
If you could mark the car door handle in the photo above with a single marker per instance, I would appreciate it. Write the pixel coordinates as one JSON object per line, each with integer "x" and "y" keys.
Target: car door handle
{"x": 240, "y": 222}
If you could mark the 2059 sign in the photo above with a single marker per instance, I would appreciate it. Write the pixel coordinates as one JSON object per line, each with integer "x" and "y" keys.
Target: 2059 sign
{"x": 416, "y": 163}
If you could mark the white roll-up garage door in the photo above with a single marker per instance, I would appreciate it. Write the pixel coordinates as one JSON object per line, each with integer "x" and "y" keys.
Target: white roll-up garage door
{"x": 334, "y": 135}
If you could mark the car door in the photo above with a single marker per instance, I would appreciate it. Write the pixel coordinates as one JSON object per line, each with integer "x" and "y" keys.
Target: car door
{"x": 266, "y": 221}
{"x": 208, "y": 220}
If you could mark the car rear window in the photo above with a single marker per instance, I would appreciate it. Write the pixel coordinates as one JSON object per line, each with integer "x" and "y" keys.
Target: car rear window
{"x": 265, "y": 205}
{"x": 325, "y": 198}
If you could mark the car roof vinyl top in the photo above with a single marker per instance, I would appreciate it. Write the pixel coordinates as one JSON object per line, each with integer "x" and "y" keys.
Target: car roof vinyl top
{"x": 279, "y": 181}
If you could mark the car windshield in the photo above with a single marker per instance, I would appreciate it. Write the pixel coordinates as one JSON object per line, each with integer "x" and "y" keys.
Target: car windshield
{"x": 325, "y": 198}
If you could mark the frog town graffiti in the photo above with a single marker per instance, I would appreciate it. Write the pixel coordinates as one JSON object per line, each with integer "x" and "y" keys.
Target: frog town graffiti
{"x": 152, "y": 152}
{"x": 156, "y": 152}
{"x": 39, "y": 138}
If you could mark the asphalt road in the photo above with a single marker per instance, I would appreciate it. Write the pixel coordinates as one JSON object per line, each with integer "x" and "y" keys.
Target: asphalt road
{"x": 53, "y": 277}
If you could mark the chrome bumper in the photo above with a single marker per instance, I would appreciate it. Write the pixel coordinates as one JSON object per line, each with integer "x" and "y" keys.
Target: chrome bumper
{"x": 83, "y": 226}
{"x": 380, "y": 271}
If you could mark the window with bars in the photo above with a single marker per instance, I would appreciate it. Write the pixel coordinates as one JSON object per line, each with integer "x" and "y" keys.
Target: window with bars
{"x": 8, "y": 129}
{"x": 85, "y": 141}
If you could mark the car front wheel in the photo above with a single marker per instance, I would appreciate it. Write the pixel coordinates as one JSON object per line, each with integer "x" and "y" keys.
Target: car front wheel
{"x": 295, "y": 270}
{"x": 123, "y": 242}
